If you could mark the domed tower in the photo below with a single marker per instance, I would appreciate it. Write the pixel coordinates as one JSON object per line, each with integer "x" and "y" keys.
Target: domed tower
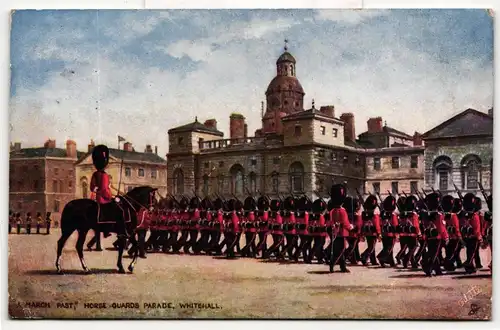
{"x": 284, "y": 94}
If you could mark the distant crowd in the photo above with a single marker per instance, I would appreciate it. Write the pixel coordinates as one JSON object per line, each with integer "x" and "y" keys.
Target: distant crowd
{"x": 28, "y": 224}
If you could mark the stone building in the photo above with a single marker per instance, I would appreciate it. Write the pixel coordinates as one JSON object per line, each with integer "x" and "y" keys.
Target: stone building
{"x": 295, "y": 150}
{"x": 460, "y": 151}
{"x": 42, "y": 179}
{"x": 137, "y": 169}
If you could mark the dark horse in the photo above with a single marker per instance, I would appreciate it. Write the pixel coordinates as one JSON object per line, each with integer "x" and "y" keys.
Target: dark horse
{"x": 81, "y": 215}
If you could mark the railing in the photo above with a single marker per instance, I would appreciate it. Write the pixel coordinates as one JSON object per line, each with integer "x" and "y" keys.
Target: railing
{"x": 238, "y": 143}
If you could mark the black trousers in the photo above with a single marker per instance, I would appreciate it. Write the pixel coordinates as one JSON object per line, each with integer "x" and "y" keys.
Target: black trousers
{"x": 231, "y": 241}
{"x": 451, "y": 249}
{"x": 318, "y": 248}
{"x": 141, "y": 240}
{"x": 250, "y": 248}
{"x": 170, "y": 240}
{"x": 193, "y": 238}
{"x": 10, "y": 228}
{"x": 202, "y": 244}
{"x": 431, "y": 258}
{"x": 339, "y": 250}
{"x": 262, "y": 246}
{"x": 409, "y": 257}
{"x": 38, "y": 229}
{"x": 370, "y": 251}
{"x": 422, "y": 245}
{"x": 18, "y": 229}
{"x": 304, "y": 248}
{"x": 275, "y": 248}
{"x": 387, "y": 255}
{"x": 28, "y": 229}
{"x": 472, "y": 249}
{"x": 48, "y": 229}
{"x": 181, "y": 242}
{"x": 96, "y": 240}
{"x": 292, "y": 242}
{"x": 214, "y": 242}
{"x": 352, "y": 253}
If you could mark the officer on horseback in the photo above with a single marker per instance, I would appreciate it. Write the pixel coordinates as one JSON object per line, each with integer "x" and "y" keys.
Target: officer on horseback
{"x": 100, "y": 185}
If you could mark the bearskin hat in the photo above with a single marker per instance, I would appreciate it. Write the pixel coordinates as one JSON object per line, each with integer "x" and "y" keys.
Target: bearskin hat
{"x": 389, "y": 204}
{"x": 184, "y": 203}
{"x": 28, "y": 214}
{"x": 447, "y": 203}
{"x": 218, "y": 204}
{"x": 457, "y": 205}
{"x": 238, "y": 205}
{"x": 275, "y": 205}
{"x": 370, "y": 203}
{"x": 250, "y": 204}
{"x": 410, "y": 203}
{"x": 194, "y": 203}
{"x": 263, "y": 203}
{"x": 305, "y": 204}
{"x": 18, "y": 214}
{"x": 478, "y": 204}
{"x": 349, "y": 204}
{"x": 100, "y": 156}
{"x": 469, "y": 202}
{"x": 289, "y": 203}
{"x": 338, "y": 194}
{"x": 401, "y": 203}
{"x": 318, "y": 206}
{"x": 433, "y": 200}
{"x": 206, "y": 204}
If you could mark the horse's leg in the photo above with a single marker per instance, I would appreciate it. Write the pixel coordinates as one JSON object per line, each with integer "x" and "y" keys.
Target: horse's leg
{"x": 135, "y": 248}
{"x": 60, "y": 245}
{"x": 82, "y": 234}
{"x": 121, "y": 246}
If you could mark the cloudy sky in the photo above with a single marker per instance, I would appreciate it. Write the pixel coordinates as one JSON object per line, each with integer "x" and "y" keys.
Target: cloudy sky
{"x": 86, "y": 74}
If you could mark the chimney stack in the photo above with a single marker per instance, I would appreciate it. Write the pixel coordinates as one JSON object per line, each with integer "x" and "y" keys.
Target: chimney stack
{"x": 328, "y": 110}
{"x": 156, "y": 150}
{"x": 148, "y": 149}
{"x": 17, "y": 146}
{"x": 236, "y": 126}
{"x": 71, "y": 149}
{"x": 127, "y": 146}
{"x": 245, "y": 131}
{"x": 375, "y": 125}
{"x": 258, "y": 132}
{"x": 91, "y": 145}
{"x": 211, "y": 123}
{"x": 50, "y": 144}
{"x": 349, "y": 130}
{"x": 417, "y": 139}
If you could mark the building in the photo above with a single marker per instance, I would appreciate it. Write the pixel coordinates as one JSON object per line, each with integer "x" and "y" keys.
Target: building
{"x": 460, "y": 152}
{"x": 137, "y": 169}
{"x": 42, "y": 179}
{"x": 295, "y": 150}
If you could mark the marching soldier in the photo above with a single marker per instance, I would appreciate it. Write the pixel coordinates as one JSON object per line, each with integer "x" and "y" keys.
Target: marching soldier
{"x": 318, "y": 229}
{"x": 409, "y": 231}
{"x": 479, "y": 206}
{"x": 353, "y": 207}
{"x": 249, "y": 228}
{"x": 182, "y": 225}
{"x": 11, "y": 220}
{"x": 204, "y": 226}
{"x": 144, "y": 217}
{"x": 18, "y": 223}
{"x": 471, "y": 231}
{"x": 371, "y": 229}
{"x": 488, "y": 228}
{"x": 289, "y": 221}
{"x": 28, "y": 223}
{"x": 263, "y": 223}
{"x": 216, "y": 227}
{"x": 403, "y": 243}
{"x": 276, "y": 228}
{"x": 341, "y": 228}
{"x": 48, "y": 222}
{"x": 193, "y": 223}
{"x": 389, "y": 233}
{"x": 453, "y": 229}
{"x": 302, "y": 225}
{"x": 435, "y": 233}
{"x": 39, "y": 221}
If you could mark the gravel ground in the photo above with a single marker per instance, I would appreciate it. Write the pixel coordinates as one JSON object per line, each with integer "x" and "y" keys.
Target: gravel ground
{"x": 185, "y": 286}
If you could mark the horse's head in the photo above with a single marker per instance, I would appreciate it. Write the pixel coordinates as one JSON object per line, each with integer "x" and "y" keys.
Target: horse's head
{"x": 143, "y": 196}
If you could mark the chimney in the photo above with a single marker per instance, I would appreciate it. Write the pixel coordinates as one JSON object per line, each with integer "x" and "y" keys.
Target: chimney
{"x": 156, "y": 150}
{"x": 417, "y": 139}
{"x": 148, "y": 149}
{"x": 91, "y": 146}
{"x": 375, "y": 125}
{"x": 211, "y": 123}
{"x": 236, "y": 126}
{"x": 127, "y": 146}
{"x": 245, "y": 130}
{"x": 71, "y": 149}
{"x": 258, "y": 132}
{"x": 328, "y": 110}
{"x": 51, "y": 144}
{"x": 17, "y": 146}
{"x": 490, "y": 112}
{"x": 349, "y": 131}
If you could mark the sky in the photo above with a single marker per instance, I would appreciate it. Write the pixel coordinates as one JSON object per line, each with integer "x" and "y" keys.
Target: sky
{"x": 96, "y": 74}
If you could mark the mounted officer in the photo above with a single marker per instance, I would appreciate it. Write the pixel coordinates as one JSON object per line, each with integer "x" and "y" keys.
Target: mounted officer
{"x": 108, "y": 206}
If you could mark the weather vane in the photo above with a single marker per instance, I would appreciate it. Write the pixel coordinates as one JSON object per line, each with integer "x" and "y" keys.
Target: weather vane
{"x": 286, "y": 45}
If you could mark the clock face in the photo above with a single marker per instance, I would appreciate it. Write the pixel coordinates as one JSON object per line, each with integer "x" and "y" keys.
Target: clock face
{"x": 275, "y": 102}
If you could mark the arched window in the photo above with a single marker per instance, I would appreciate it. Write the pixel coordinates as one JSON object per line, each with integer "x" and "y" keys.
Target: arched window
{"x": 292, "y": 70}
{"x": 442, "y": 172}
{"x": 205, "y": 185}
{"x": 296, "y": 173}
{"x": 237, "y": 179}
{"x": 85, "y": 187}
{"x": 178, "y": 182}
{"x": 275, "y": 181}
{"x": 252, "y": 178}
{"x": 470, "y": 171}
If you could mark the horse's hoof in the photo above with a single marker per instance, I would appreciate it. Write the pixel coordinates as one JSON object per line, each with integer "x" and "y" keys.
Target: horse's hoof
{"x": 121, "y": 270}
{"x": 131, "y": 268}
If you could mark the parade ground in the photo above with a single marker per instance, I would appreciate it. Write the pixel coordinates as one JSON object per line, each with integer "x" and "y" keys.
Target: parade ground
{"x": 187, "y": 286}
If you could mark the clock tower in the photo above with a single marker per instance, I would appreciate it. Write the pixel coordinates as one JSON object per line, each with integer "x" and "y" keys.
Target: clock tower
{"x": 284, "y": 94}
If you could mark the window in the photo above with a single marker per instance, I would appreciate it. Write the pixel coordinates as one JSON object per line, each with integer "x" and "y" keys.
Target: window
{"x": 70, "y": 184}
{"x": 334, "y": 132}
{"x": 443, "y": 179}
{"x": 346, "y": 159}
{"x": 220, "y": 184}
{"x": 56, "y": 205}
{"x": 56, "y": 170}
{"x": 297, "y": 177}
{"x": 62, "y": 187}
{"x": 85, "y": 189}
{"x": 395, "y": 162}
{"x": 376, "y": 164}
{"x": 414, "y": 162}
{"x": 200, "y": 142}
{"x": 129, "y": 188}
{"x": 180, "y": 141}
{"x": 323, "y": 130}
{"x": 275, "y": 182}
{"x": 55, "y": 187}
{"x": 376, "y": 187}
{"x": 128, "y": 171}
{"x": 442, "y": 171}
{"x": 321, "y": 153}
{"x": 470, "y": 172}
{"x": 253, "y": 161}
{"x": 252, "y": 178}
{"x": 276, "y": 160}
{"x": 205, "y": 185}
{"x": 357, "y": 161}
{"x": 178, "y": 182}
{"x": 205, "y": 165}
{"x": 154, "y": 173}
{"x": 221, "y": 164}
{"x": 334, "y": 156}
{"x": 298, "y": 130}
{"x": 413, "y": 187}
{"x": 140, "y": 172}
{"x": 237, "y": 180}
{"x": 394, "y": 188}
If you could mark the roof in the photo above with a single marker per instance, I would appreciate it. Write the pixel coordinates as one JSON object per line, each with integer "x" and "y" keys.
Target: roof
{"x": 285, "y": 83}
{"x": 134, "y": 156}
{"x": 286, "y": 57}
{"x": 42, "y": 152}
{"x": 195, "y": 126}
{"x": 467, "y": 123}
{"x": 309, "y": 114}
{"x": 386, "y": 130}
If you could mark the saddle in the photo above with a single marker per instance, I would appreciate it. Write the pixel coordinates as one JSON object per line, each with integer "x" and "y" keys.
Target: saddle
{"x": 110, "y": 213}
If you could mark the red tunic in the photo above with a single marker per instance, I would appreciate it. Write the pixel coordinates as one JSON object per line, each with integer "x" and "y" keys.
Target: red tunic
{"x": 410, "y": 220}
{"x": 263, "y": 216}
{"x": 303, "y": 223}
{"x": 439, "y": 223}
{"x": 252, "y": 222}
{"x": 290, "y": 222}
{"x": 357, "y": 223}
{"x": 369, "y": 221}
{"x": 341, "y": 221}
{"x": 277, "y": 223}
{"x": 100, "y": 180}
{"x": 453, "y": 226}
{"x": 390, "y": 223}
{"x": 318, "y": 220}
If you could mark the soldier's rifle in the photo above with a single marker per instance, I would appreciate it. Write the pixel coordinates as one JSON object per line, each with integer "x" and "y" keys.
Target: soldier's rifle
{"x": 459, "y": 193}
{"x": 484, "y": 195}
{"x": 360, "y": 197}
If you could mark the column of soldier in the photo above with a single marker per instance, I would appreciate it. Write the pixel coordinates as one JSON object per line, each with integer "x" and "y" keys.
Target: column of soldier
{"x": 17, "y": 222}
{"x": 431, "y": 229}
